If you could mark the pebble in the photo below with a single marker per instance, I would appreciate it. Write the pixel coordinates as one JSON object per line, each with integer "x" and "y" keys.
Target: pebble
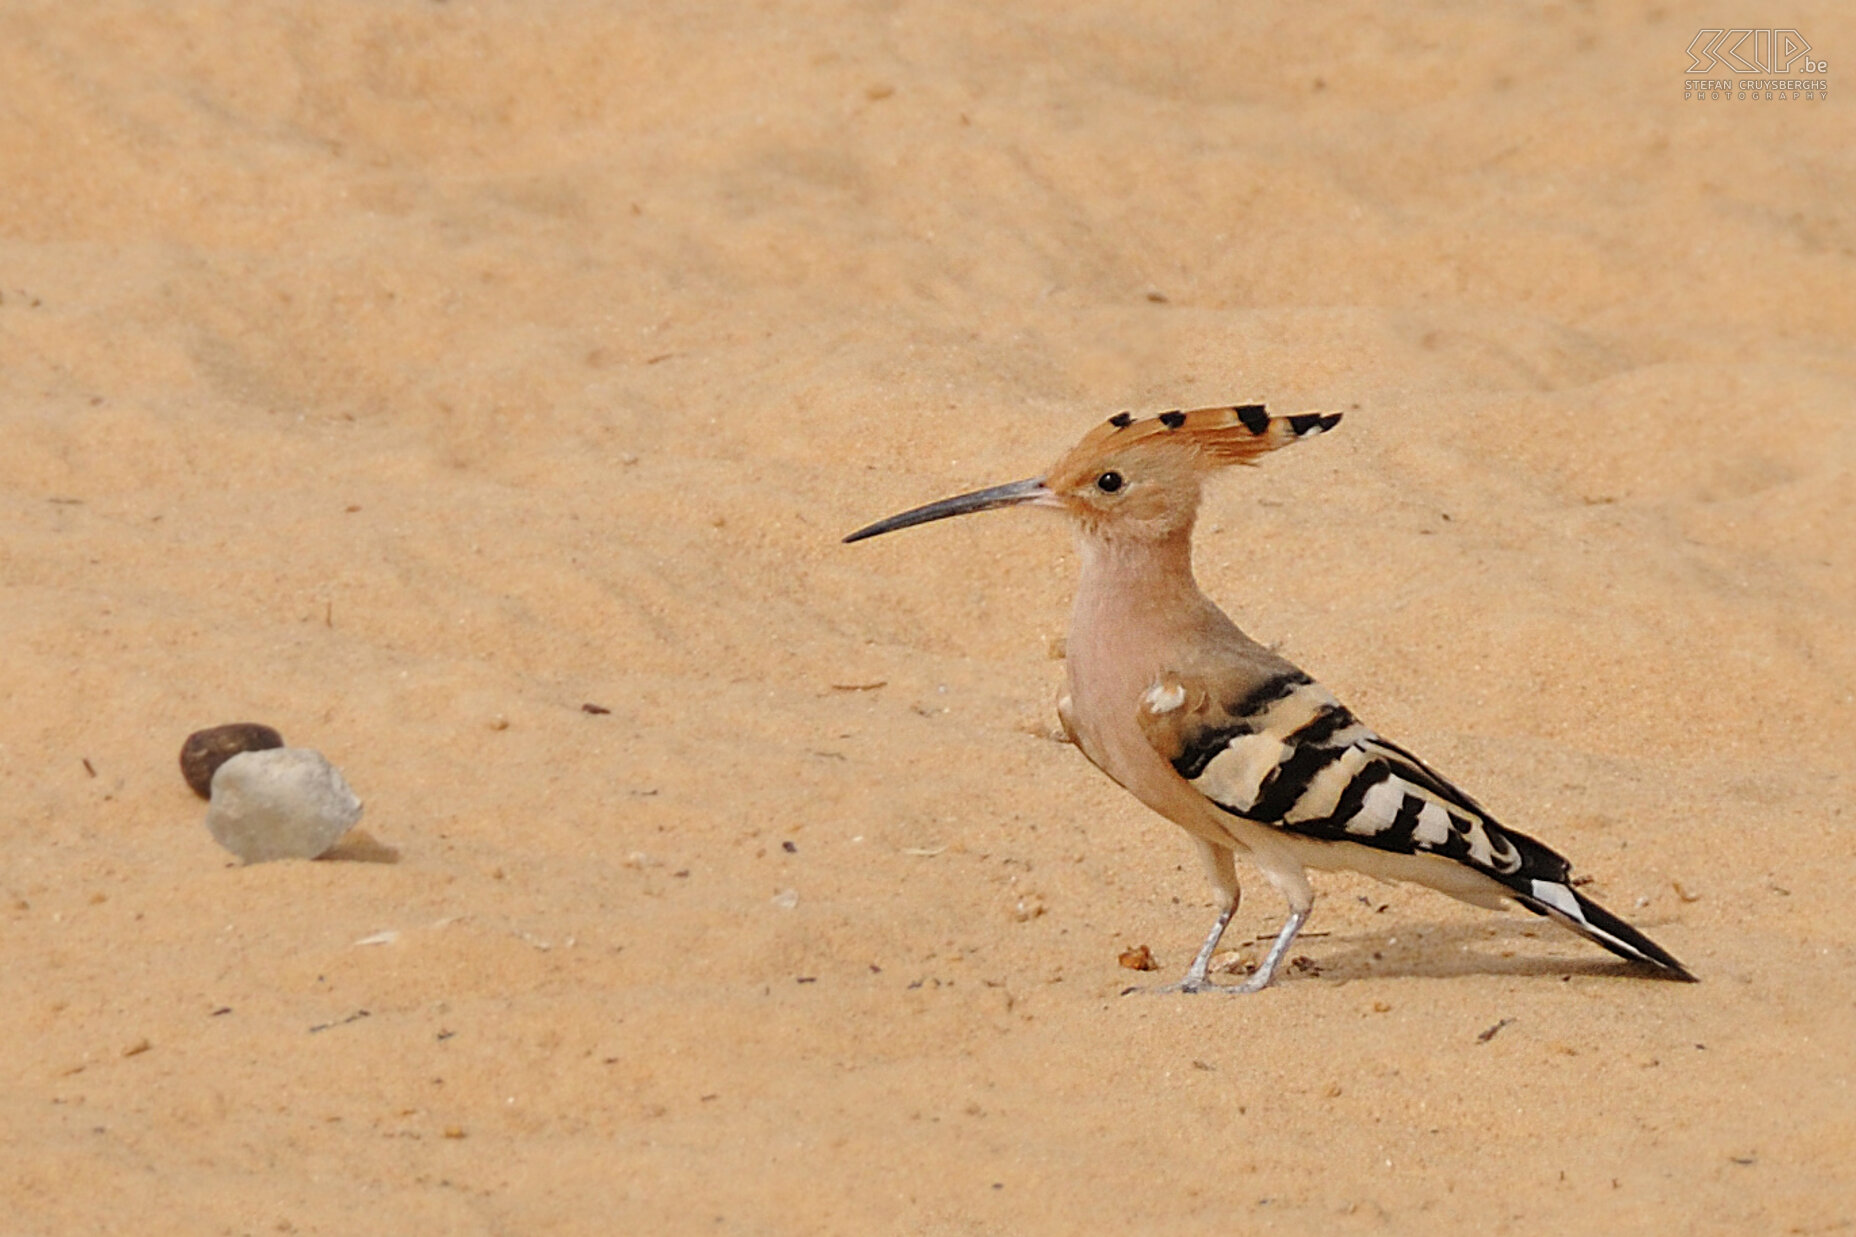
{"x": 205, "y": 750}
{"x": 280, "y": 803}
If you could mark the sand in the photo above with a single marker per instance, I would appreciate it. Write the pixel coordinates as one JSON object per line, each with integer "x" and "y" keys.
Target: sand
{"x": 477, "y": 393}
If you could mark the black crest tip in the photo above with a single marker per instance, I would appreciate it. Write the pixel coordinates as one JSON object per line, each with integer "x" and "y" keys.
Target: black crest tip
{"x": 1313, "y": 423}
{"x": 1255, "y": 417}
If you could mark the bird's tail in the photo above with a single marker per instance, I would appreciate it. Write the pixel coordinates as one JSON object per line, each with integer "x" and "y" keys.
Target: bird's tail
{"x": 1565, "y": 905}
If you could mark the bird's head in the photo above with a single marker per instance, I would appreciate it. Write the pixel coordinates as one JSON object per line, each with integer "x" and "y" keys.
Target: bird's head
{"x": 1134, "y": 477}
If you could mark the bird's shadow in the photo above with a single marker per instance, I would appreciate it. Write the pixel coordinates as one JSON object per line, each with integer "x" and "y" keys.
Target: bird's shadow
{"x": 1438, "y": 950}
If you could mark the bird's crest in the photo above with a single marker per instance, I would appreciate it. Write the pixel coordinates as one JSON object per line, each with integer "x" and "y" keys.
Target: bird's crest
{"x": 1232, "y": 434}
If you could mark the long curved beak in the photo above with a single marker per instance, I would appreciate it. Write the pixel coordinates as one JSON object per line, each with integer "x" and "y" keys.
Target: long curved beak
{"x": 1012, "y": 494}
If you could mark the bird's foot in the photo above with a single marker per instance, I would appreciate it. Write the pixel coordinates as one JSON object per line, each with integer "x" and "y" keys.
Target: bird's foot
{"x": 1197, "y": 983}
{"x": 1256, "y": 983}
{"x": 1185, "y": 985}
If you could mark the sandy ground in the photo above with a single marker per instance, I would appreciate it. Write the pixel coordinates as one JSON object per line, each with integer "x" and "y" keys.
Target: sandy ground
{"x": 409, "y": 376}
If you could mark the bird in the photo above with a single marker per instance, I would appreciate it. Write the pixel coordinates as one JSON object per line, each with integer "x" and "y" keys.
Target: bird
{"x": 1228, "y": 739}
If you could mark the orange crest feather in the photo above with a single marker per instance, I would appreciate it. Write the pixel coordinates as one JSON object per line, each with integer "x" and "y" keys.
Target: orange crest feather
{"x": 1232, "y": 434}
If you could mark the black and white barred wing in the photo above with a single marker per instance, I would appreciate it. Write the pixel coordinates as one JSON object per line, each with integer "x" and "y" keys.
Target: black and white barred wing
{"x": 1284, "y": 752}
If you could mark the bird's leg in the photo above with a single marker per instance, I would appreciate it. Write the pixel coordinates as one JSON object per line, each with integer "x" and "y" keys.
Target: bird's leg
{"x": 1273, "y": 959}
{"x": 1195, "y": 980}
{"x": 1223, "y": 874}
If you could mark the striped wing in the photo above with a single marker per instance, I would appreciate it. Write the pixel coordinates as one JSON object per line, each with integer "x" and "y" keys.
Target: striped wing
{"x": 1284, "y": 752}
{"x": 1287, "y": 753}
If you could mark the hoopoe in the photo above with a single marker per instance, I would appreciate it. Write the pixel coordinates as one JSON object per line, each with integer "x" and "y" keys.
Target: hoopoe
{"x": 1227, "y": 739}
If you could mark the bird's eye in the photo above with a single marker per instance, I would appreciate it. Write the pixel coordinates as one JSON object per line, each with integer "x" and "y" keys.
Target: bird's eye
{"x": 1109, "y": 482}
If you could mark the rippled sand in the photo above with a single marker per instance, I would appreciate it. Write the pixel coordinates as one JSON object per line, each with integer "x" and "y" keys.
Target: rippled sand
{"x": 412, "y": 376}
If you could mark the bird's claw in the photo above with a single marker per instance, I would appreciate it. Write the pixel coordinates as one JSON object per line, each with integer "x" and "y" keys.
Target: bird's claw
{"x": 1195, "y": 984}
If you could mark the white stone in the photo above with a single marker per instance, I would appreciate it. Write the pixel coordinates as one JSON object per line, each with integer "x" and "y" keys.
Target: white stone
{"x": 284, "y": 803}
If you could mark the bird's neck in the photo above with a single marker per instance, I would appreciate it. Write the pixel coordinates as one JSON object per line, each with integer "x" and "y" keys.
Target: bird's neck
{"x": 1138, "y": 613}
{"x": 1136, "y": 601}
{"x": 1137, "y": 574}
